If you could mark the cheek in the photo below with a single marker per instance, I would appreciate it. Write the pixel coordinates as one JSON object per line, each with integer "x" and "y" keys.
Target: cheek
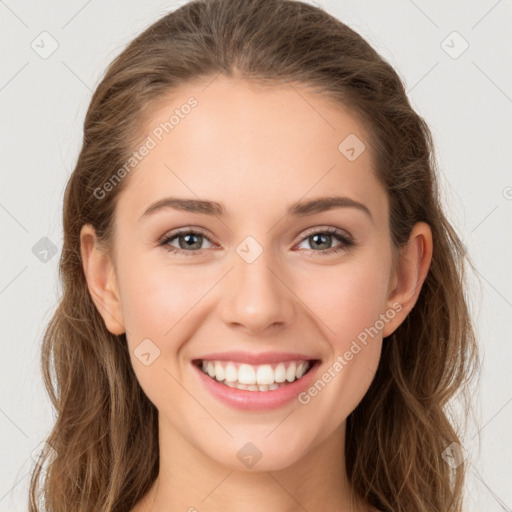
{"x": 349, "y": 308}
{"x": 155, "y": 303}
{"x": 156, "y": 297}
{"x": 349, "y": 303}
{"x": 162, "y": 304}
{"x": 349, "y": 300}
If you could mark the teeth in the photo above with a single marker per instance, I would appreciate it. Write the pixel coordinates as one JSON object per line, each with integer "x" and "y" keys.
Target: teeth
{"x": 265, "y": 377}
{"x": 265, "y": 374}
{"x": 301, "y": 370}
{"x": 246, "y": 374}
{"x": 280, "y": 373}
{"x": 290, "y": 372}
{"x": 231, "y": 373}
{"x": 219, "y": 371}
{"x": 211, "y": 370}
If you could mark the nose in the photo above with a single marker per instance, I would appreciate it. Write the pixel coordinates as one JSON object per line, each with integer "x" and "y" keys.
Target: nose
{"x": 258, "y": 296}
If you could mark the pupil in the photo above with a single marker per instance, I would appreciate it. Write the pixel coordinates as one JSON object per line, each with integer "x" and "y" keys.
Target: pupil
{"x": 324, "y": 236}
{"x": 189, "y": 243}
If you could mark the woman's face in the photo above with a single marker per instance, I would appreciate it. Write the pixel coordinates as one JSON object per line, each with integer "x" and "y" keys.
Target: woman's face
{"x": 253, "y": 278}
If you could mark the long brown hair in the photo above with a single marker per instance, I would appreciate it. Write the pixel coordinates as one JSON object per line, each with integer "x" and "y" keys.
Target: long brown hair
{"x": 105, "y": 435}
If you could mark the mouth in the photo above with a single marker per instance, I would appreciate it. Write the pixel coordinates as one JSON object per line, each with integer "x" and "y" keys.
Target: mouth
{"x": 261, "y": 377}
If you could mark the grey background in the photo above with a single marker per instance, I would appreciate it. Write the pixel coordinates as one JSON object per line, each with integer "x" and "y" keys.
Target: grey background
{"x": 466, "y": 100}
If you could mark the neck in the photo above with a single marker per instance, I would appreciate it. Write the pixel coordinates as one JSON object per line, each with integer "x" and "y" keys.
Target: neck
{"x": 191, "y": 481}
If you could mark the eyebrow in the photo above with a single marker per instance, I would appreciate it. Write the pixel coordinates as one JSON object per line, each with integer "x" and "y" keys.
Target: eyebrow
{"x": 299, "y": 209}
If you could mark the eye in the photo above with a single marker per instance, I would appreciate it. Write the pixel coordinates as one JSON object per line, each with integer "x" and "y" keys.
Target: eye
{"x": 188, "y": 240}
{"x": 322, "y": 239}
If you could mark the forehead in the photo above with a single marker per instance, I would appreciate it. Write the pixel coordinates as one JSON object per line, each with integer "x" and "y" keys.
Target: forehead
{"x": 253, "y": 148}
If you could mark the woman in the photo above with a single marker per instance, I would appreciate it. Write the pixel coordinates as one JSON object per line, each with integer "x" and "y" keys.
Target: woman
{"x": 208, "y": 354}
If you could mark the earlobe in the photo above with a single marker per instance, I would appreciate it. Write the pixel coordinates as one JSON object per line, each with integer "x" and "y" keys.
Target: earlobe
{"x": 408, "y": 278}
{"x": 101, "y": 280}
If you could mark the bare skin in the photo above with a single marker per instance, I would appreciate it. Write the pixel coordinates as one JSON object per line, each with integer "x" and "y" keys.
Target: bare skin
{"x": 256, "y": 151}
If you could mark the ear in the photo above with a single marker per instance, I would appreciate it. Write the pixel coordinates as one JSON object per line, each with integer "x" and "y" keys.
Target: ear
{"x": 409, "y": 274}
{"x": 101, "y": 280}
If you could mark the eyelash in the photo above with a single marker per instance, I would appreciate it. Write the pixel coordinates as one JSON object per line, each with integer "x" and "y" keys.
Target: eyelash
{"x": 346, "y": 240}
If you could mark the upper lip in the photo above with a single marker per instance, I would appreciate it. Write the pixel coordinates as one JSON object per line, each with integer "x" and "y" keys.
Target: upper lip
{"x": 255, "y": 359}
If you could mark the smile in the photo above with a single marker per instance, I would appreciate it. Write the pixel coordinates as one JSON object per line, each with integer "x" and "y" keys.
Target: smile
{"x": 264, "y": 377}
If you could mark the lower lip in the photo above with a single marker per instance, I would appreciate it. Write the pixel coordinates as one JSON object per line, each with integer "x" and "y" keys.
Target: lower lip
{"x": 257, "y": 400}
